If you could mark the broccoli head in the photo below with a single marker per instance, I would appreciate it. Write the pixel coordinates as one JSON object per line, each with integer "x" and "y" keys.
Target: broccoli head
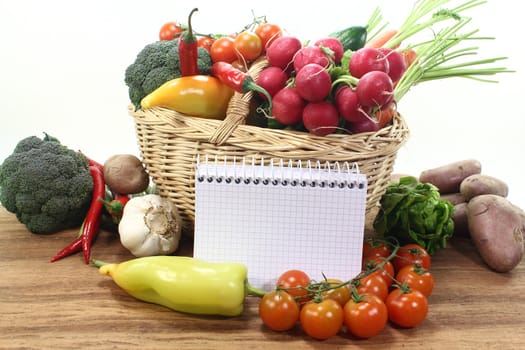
{"x": 47, "y": 185}
{"x": 155, "y": 64}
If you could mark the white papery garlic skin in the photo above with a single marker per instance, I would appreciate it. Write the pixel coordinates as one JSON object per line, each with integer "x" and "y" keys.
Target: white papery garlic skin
{"x": 150, "y": 225}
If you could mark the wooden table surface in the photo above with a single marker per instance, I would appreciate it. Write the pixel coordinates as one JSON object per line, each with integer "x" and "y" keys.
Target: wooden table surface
{"x": 68, "y": 305}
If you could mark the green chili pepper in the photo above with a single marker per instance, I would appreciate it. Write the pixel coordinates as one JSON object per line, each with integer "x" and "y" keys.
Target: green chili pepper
{"x": 353, "y": 38}
{"x": 184, "y": 284}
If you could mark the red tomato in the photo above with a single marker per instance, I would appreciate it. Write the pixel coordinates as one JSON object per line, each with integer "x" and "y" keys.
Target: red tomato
{"x": 223, "y": 49}
{"x": 169, "y": 31}
{"x": 294, "y": 282}
{"x": 406, "y": 308}
{"x": 268, "y": 33}
{"x": 367, "y": 317}
{"x": 278, "y": 310}
{"x": 416, "y": 277}
{"x": 373, "y": 284}
{"x": 248, "y": 45}
{"x": 410, "y": 254}
{"x": 322, "y": 320}
{"x": 375, "y": 249}
{"x": 205, "y": 42}
{"x": 340, "y": 294}
{"x": 386, "y": 272}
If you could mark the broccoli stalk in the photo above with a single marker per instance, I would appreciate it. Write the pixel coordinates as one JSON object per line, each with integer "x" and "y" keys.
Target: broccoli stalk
{"x": 155, "y": 64}
{"x": 47, "y": 185}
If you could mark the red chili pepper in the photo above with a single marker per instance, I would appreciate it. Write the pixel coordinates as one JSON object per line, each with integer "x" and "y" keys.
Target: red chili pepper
{"x": 72, "y": 248}
{"x": 92, "y": 162}
{"x": 92, "y": 222}
{"x": 188, "y": 53}
{"x": 238, "y": 80}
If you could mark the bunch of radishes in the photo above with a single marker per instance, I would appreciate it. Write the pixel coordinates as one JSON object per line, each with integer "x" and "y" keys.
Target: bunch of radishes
{"x": 311, "y": 86}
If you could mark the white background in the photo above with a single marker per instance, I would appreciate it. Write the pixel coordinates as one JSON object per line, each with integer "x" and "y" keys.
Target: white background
{"x": 62, "y": 68}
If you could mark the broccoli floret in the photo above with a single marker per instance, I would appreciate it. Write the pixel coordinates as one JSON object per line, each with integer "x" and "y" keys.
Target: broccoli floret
{"x": 155, "y": 64}
{"x": 204, "y": 61}
{"x": 47, "y": 185}
{"x": 156, "y": 77}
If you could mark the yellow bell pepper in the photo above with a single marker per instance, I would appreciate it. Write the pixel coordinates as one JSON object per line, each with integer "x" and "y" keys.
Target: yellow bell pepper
{"x": 184, "y": 284}
{"x": 196, "y": 95}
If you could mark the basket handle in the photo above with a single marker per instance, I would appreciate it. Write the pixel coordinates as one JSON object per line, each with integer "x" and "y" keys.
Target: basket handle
{"x": 238, "y": 108}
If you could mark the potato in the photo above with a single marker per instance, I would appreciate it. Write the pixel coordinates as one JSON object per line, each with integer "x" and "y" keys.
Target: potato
{"x": 497, "y": 228}
{"x": 125, "y": 174}
{"x": 479, "y": 184}
{"x": 447, "y": 178}
{"x": 460, "y": 219}
{"x": 454, "y": 198}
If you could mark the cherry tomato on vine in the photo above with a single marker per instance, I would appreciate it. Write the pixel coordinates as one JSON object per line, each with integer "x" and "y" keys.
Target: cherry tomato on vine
{"x": 294, "y": 282}
{"x": 406, "y": 307}
{"x": 223, "y": 49}
{"x": 248, "y": 45}
{"x": 375, "y": 249}
{"x": 366, "y": 316}
{"x": 387, "y": 271}
{"x": 322, "y": 320}
{"x": 372, "y": 284}
{"x": 410, "y": 254}
{"x": 340, "y": 294}
{"x": 169, "y": 31}
{"x": 278, "y": 310}
{"x": 205, "y": 42}
{"x": 416, "y": 277}
{"x": 268, "y": 32}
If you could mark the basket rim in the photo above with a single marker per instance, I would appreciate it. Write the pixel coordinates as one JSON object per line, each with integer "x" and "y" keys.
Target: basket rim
{"x": 391, "y": 137}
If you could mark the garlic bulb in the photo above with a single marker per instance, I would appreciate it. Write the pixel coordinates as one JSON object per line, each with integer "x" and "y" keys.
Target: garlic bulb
{"x": 150, "y": 225}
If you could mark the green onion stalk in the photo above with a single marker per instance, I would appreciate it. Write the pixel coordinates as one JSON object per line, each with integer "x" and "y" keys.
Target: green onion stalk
{"x": 439, "y": 58}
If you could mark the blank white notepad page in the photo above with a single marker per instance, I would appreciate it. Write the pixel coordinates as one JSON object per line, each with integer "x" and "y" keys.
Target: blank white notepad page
{"x": 276, "y": 218}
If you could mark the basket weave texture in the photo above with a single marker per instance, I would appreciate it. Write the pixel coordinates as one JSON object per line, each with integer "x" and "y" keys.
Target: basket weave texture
{"x": 171, "y": 142}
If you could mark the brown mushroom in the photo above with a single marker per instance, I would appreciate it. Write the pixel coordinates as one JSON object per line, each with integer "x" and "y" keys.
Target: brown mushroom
{"x": 125, "y": 174}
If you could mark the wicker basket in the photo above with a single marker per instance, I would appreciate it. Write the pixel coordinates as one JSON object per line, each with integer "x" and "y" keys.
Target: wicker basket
{"x": 170, "y": 143}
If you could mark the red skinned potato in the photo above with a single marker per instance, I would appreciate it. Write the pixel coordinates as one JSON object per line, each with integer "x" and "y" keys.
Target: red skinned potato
{"x": 447, "y": 178}
{"x": 460, "y": 219}
{"x": 454, "y": 198}
{"x": 125, "y": 174}
{"x": 497, "y": 228}
{"x": 479, "y": 184}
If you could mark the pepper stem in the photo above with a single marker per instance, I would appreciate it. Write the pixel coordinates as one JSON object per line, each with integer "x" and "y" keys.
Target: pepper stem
{"x": 253, "y": 291}
{"x": 251, "y": 85}
{"x": 98, "y": 263}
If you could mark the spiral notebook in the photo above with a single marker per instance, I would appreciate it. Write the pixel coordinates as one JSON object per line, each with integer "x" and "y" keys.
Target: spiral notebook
{"x": 276, "y": 216}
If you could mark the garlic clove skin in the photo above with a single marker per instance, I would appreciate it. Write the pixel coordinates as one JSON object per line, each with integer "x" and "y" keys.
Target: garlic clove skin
{"x": 150, "y": 225}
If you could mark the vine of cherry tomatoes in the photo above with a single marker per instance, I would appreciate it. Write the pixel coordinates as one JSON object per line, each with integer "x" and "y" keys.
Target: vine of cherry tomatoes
{"x": 394, "y": 287}
{"x": 239, "y": 48}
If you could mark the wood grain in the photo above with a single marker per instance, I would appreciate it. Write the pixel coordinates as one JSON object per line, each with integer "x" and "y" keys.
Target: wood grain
{"x": 67, "y": 304}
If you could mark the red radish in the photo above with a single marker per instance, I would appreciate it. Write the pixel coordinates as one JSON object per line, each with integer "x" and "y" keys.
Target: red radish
{"x": 347, "y": 103}
{"x": 313, "y": 82}
{"x": 272, "y": 79}
{"x": 288, "y": 106}
{"x": 396, "y": 63}
{"x": 375, "y": 89}
{"x": 320, "y": 118}
{"x": 366, "y": 60}
{"x": 310, "y": 54}
{"x": 281, "y": 51}
{"x": 333, "y": 44}
{"x": 365, "y": 124}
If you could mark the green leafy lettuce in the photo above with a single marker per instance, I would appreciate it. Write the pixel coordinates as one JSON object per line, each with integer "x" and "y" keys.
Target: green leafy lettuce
{"x": 413, "y": 212}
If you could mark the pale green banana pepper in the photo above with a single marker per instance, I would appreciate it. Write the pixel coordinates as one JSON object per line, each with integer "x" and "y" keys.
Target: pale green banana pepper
{"x": 184, "y": 284}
